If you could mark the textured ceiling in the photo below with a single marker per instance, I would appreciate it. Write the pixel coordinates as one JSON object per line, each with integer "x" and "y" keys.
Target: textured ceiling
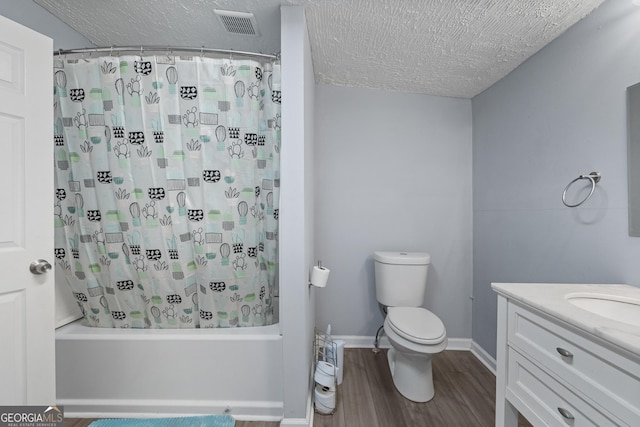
{"x": 452, "y": 48}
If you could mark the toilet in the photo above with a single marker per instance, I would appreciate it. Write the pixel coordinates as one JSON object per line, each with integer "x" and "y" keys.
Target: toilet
{"x": 415, "y": 333}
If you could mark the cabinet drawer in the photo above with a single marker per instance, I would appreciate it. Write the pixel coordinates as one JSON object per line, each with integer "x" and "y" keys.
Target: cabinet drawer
{"x": 593, "y": 371}
{"x": 549, "y": 399}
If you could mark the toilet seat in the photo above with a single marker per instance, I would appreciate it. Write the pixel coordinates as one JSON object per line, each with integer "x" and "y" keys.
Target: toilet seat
{"x": 416, "y": 324}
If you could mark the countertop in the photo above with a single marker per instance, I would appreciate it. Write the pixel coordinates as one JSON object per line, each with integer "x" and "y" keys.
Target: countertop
{"x": 550, "y": 298}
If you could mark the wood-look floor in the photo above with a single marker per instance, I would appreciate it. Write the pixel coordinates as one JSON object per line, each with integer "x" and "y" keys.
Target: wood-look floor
{"x": 465, "y": 396}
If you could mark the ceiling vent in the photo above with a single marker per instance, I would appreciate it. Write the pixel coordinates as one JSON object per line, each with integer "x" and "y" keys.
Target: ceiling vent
{"x": 238, "y": 22}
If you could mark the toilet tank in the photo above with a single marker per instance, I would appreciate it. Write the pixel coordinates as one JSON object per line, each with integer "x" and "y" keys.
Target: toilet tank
{"x": 401, "y": 278}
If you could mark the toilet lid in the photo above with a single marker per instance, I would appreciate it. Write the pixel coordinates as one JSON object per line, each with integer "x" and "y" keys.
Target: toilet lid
{"x": 416, "y": 324}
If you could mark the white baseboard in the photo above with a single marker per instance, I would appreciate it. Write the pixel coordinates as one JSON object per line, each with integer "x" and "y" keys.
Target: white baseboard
{"x": 485, "y": 358}
{"x": 359, "y": 341}
{"x": 307, "y": 421}
{"x": 462, "y": 344}
{"x": 355, "y": 341}
{"x": 143, "y": 408}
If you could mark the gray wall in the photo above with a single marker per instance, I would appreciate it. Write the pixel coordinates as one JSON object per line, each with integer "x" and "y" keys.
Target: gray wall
{"x": 560, "y": 114}
{"x": 393, "y": 172}
{"x": 32, "y": 15}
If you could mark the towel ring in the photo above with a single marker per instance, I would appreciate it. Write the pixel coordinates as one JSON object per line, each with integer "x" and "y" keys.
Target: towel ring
{"x": 594, "y": 177}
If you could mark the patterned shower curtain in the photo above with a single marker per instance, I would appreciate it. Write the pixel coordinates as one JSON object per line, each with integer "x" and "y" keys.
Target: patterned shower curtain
{"x": 167, "y": 188}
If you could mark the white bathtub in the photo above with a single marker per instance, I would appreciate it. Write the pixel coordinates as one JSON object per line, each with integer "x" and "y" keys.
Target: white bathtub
{"x": 102, "y": 372}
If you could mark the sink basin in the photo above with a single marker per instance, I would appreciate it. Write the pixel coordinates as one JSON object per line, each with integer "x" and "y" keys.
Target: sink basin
{"x": 618, "y": 308}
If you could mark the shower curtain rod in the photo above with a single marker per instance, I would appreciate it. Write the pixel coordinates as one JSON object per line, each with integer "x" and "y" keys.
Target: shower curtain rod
{"x": 168, "y": 49}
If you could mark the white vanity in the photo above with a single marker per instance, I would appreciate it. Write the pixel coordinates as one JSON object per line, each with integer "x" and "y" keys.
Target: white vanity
{"x": 568, "y": 354}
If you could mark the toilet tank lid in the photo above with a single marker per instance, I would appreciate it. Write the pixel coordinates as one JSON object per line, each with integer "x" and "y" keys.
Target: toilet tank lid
{"x": 402, "y": 258}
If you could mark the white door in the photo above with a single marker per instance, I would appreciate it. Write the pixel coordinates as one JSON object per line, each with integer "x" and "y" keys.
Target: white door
{"x": 27, "y": 311}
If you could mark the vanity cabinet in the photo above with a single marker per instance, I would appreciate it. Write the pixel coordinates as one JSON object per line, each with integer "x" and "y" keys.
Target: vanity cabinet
{"x": 556, "y": 374}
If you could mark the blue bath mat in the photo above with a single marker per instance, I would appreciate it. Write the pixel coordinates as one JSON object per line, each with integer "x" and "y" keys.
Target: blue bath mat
{"x": 202, "y": 421}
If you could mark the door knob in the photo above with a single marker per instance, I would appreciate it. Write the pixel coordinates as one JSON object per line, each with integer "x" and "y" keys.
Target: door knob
{"x": 39, "y": 266}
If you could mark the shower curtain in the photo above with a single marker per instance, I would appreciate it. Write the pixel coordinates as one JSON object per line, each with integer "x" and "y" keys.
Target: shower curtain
{"x": 167, "y": 188}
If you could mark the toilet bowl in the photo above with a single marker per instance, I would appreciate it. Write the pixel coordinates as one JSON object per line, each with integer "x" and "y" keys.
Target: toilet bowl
{"x": 416, "y": 335}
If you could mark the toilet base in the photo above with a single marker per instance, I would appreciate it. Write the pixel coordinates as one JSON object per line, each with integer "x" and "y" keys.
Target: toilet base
{"x": 412, "y": 375}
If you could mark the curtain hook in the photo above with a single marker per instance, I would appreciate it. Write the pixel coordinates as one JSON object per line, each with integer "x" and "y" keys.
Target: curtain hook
{"x": 201, "y": 52}
{"x": 141, "y": 52}
{"x": 111, "y": 51}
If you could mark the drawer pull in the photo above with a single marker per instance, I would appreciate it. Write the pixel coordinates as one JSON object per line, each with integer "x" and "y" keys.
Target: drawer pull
{"x": 566, "y": 414}
{"x": 563, "y": 352}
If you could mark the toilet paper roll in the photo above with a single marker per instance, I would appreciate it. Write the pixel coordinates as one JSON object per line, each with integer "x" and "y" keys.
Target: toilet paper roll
{"x": 335, "y": 354}
{"x": 319, "y": 276}
{"x": 325, "y": 399}
{"x": 325, "y": 374}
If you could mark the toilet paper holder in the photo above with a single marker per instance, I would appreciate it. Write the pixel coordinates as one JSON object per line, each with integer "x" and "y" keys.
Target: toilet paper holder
{"x": 318, "y": 276}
